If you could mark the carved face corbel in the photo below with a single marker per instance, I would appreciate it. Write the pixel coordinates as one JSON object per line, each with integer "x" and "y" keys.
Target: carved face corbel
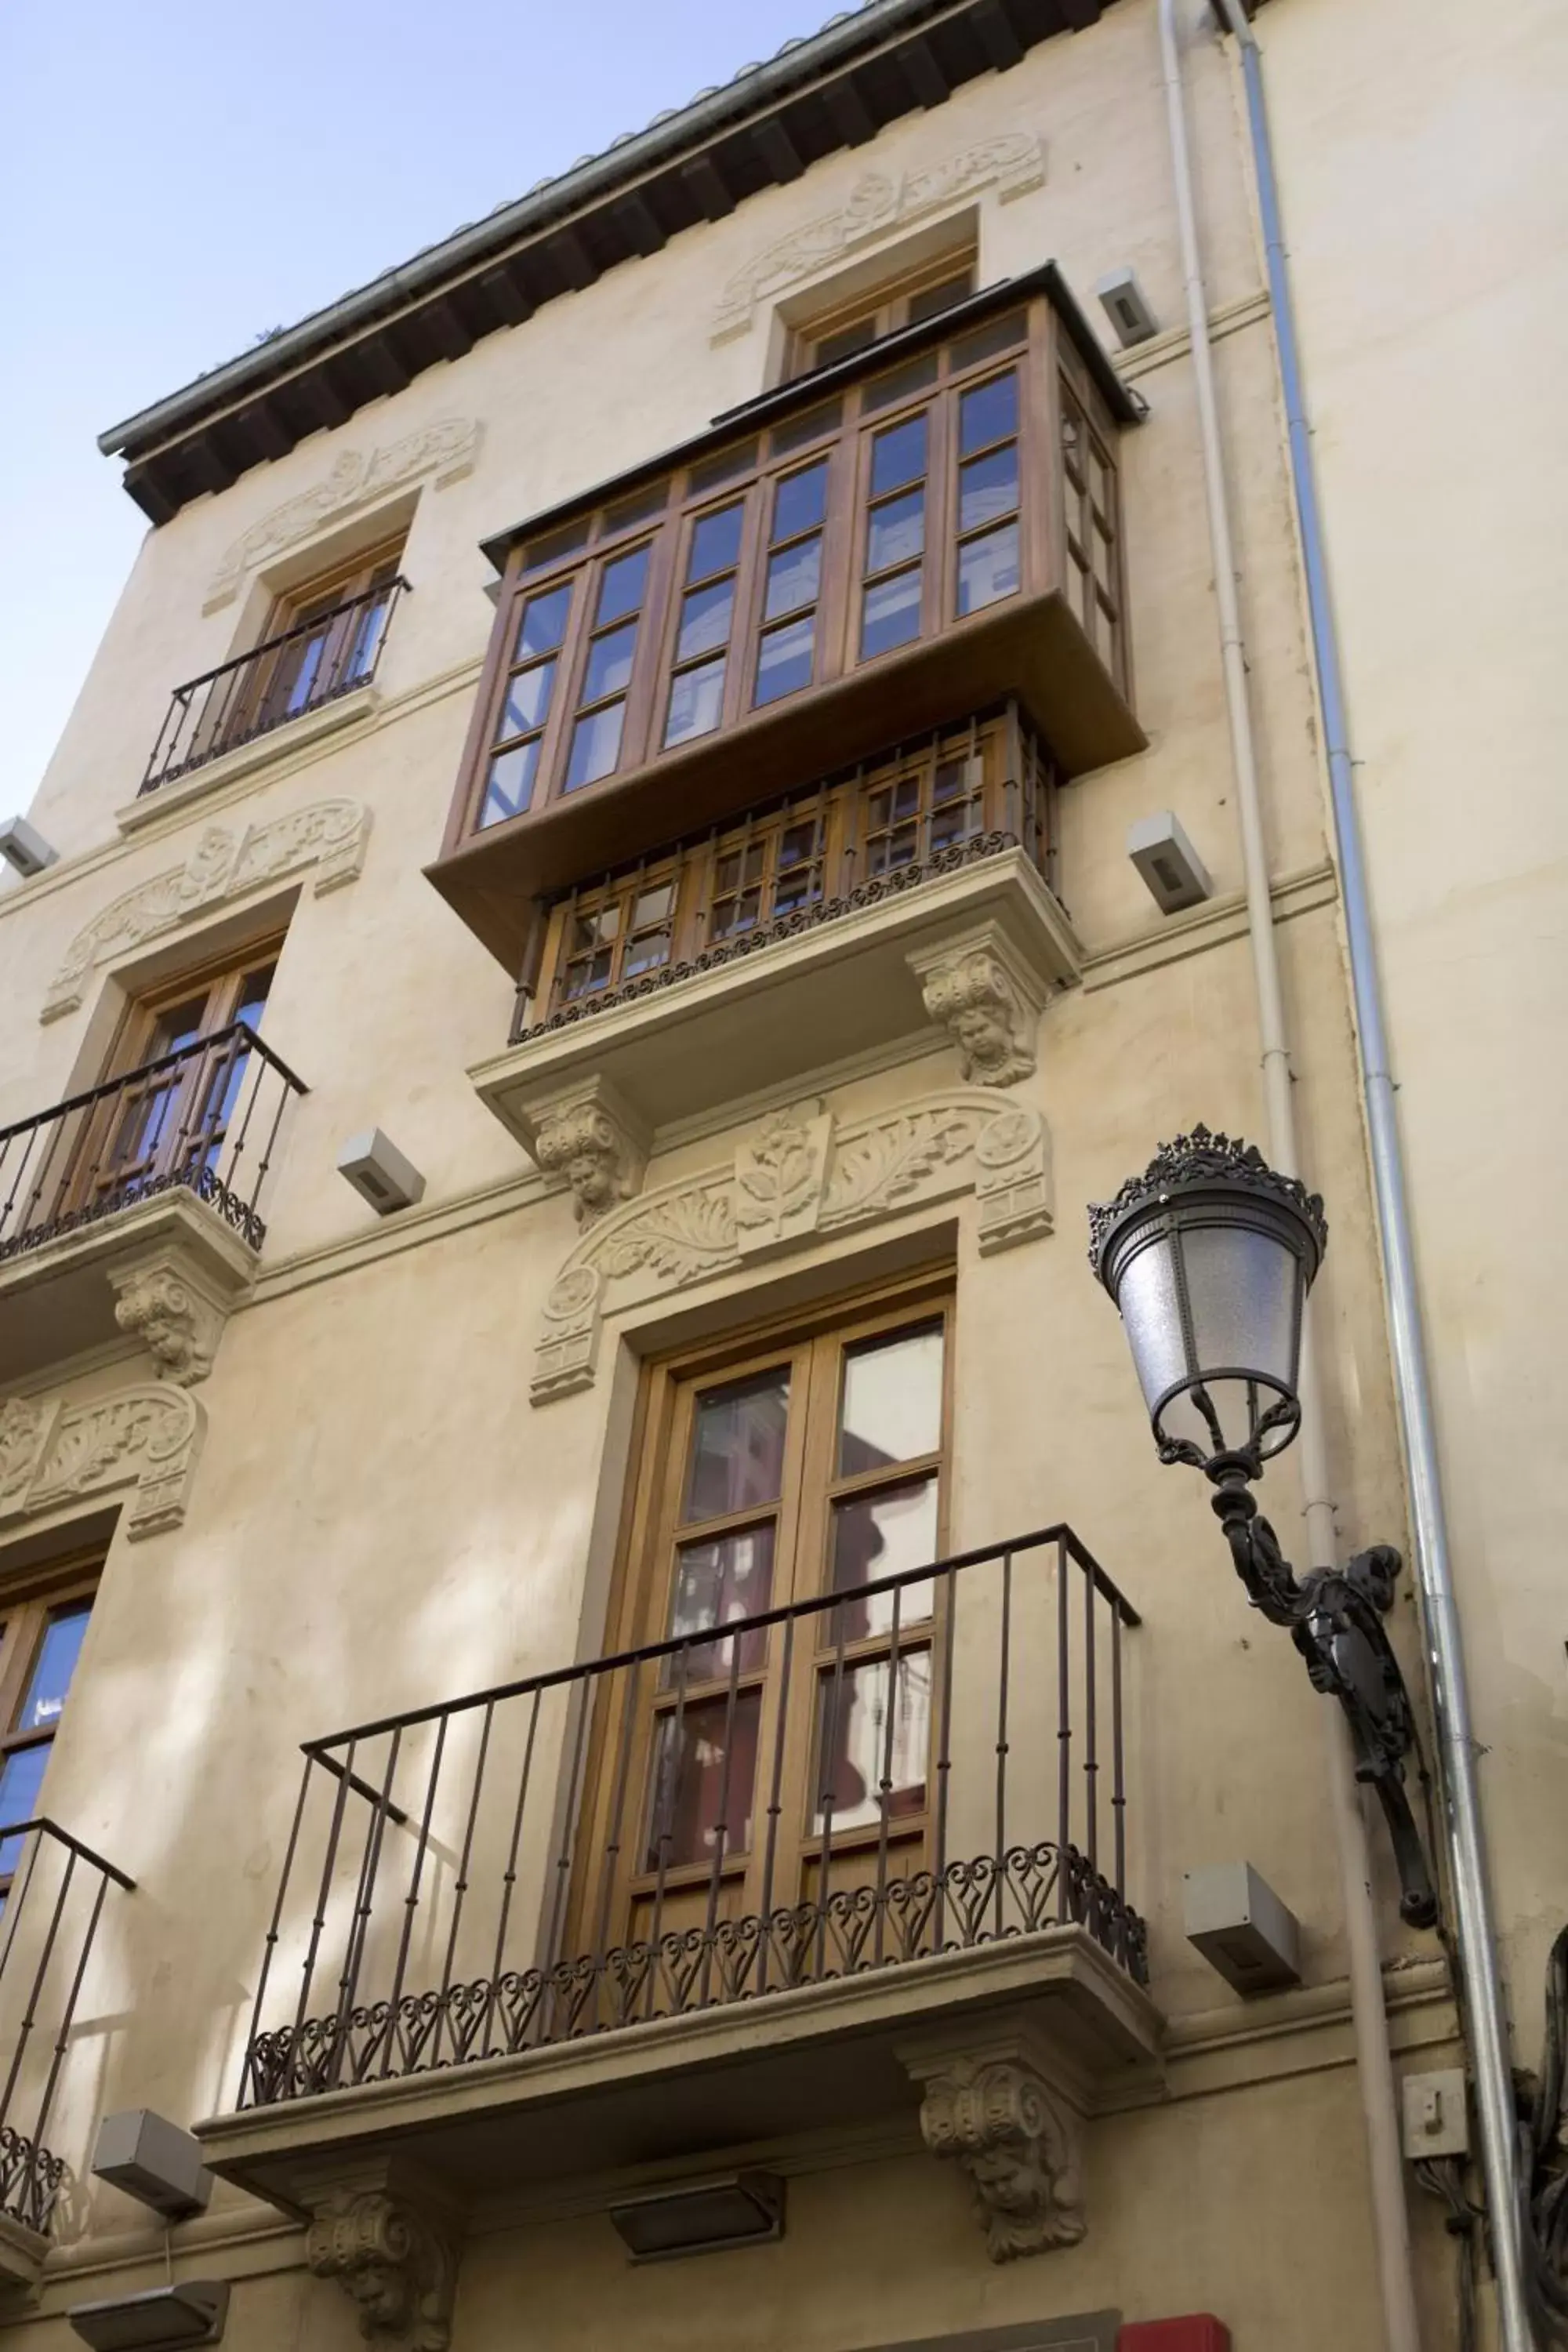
{"x": 587, "y": 1138}
{"x": 992, "y": 2107}
{"x": 981, "y": 992}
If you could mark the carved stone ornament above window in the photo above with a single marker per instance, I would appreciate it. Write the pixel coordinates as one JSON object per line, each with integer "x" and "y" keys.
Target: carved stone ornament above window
{"x": 446, "y": 450}
{"x": 1013, "y": 163}
{"x": 330, "y": 835}
{"x": 802, "y": 1176}
{"x": 53, "y": 1453}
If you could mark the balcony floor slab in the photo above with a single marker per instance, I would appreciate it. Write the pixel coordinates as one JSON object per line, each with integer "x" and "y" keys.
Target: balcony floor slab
{"x": 813, "y": 2058}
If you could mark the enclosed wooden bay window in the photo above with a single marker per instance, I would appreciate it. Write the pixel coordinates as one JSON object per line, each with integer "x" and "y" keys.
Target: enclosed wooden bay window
{"x": 900, "y": 536}
{"x": 986, "y": 779}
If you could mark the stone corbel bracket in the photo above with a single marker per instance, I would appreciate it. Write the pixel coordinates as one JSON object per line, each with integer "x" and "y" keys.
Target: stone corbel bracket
{"x": 53, "y": 1453}
{"x": 801, "y": 1177}
{"x": 989, "y": 2105}
{"x": 391, "y": 2242}
{"x": 988, "y": 998}
{"x": 177, "y": 1315}
{"x": 328, "y": 836}
{"x": 587, "y": 1138}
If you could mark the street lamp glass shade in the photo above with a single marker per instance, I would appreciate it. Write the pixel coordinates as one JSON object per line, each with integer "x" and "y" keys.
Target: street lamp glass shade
{"x": 1209, "y": 1255}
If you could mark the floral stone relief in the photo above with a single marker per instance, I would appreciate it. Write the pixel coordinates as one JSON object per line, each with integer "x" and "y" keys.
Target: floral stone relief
{"x": 53, "y": 1453}
{"x": 1013, "y": 163}
{"x": 329, "y": 836}
{"x": 802, "y": 1175}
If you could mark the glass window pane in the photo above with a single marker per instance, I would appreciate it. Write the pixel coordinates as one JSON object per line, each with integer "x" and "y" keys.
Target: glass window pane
{"x": 891, "y": 1409}
{"x": 717, "y": 1581}
{"x": 793, "y": 578}
{"x": 254, "y": 991}
{"x": 783, "y": 659}
{"x": 845, "y": 341}
{"x": 653, "y": 906}
{"x": 989, "y": 413}
{"x": 715, "y": 543}
{"x": 696, "y": 702}
{"x": 896, "y": 533}
{"x": 57, "y": 1655}
{"x": 595, "y": 746}
{"x": 510, "y": 785}
{"x": 891, "y": 612}
{"x": 645, "y": 953}
{"x": 21, "y": 1778}
{"x": 705, "y": 615}
{"x": 988, "y": 567}
{"x": 898, "y": 456}
{"x": 899, "y": 383}
{"x": 931, "y": 300}
{"x": 738, "y": 1445}
{"x": 864, "y": 1759}
{"x": 621, "y": 586}
{"x": 609, "y": 664}
{"x": 527, "y": 700}
{"x": 543, "y": 624}
{"x": 800, "y": 501}
{"x": 882, "y": 1535}
{"x": 988, "y": 487}
{"x": 696, "y": 1808}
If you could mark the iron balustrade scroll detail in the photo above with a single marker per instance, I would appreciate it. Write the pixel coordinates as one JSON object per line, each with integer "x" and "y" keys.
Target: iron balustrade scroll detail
{"x": 203, "y": 1119}
{"x": 52, "y": 1893}
{"x": 927, "y": 1763}
{"x": 307, "y": 667}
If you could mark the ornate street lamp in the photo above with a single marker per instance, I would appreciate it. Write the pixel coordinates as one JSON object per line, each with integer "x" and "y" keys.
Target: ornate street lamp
{"x": 1209, "y": 1255}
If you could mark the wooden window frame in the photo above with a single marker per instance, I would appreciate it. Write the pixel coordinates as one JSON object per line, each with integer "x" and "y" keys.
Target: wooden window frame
{"x": 886, "y": 308}
{"x": 615, "y": 1790}
{"x": 28, "y": 1605}
{"x": 846, "y": 443}
{"x": 1027, "y": 644}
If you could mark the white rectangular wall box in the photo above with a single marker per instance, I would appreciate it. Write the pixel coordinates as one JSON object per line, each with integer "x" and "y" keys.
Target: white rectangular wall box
{"x": 24, "y": 848}
{"x": 152, "y": 2160}
{"x": 1436, "y": 2113}
{"x": 1239, "y": 1925}
{"x": 380, "y": 1174}
{"x": 1176, "y": 875}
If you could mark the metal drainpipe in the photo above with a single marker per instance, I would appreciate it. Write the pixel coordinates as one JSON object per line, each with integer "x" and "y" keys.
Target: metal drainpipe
{"x": 1391, "y": 2227}
{"x": 1480, "y": 1986}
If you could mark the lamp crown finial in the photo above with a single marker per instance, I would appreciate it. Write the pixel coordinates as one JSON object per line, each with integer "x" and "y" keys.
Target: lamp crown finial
{"x": 1202, "y": 1157}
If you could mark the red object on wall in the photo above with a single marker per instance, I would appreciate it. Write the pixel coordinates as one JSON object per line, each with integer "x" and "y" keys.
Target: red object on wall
{"x": 1199, "y": 2332}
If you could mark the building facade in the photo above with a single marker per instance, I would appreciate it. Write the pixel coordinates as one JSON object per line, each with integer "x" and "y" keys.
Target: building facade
{"x": 591, "y": 970}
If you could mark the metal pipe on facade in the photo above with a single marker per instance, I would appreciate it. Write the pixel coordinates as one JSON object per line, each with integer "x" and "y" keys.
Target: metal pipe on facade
{"x": 1481, "y": 1990}
{"x": 1391, "y": 2227}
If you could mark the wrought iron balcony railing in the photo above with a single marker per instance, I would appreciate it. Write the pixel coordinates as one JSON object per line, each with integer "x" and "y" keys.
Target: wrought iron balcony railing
{"x": 882, "y": 827}
{"x": 204, "y": 1118}
{"x": 52, "y": 1891}
{"x": 312, "y": 664}
{"x": 922, "y": 1764}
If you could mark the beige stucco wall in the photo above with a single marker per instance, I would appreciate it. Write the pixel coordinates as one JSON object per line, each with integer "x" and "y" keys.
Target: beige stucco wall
{"x": 380, "y": 1518}
{"x": 1432, "y": 355}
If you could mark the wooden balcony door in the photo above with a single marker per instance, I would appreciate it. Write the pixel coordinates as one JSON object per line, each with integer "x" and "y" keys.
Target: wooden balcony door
{"x": 808, "y": 1466}
{"x": 174, "y": 1119}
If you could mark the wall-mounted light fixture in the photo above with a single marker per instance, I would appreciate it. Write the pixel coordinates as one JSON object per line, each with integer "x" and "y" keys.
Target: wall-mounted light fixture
{"x": 166, "y": 2319}
{"x": 738, "y": 2209}
{"x": 1209, "y": 1255}
{"x": 24, "y": 848}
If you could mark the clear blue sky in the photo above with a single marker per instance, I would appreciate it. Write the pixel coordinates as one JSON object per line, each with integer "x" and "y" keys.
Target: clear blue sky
{"x": 179, "y": 176}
